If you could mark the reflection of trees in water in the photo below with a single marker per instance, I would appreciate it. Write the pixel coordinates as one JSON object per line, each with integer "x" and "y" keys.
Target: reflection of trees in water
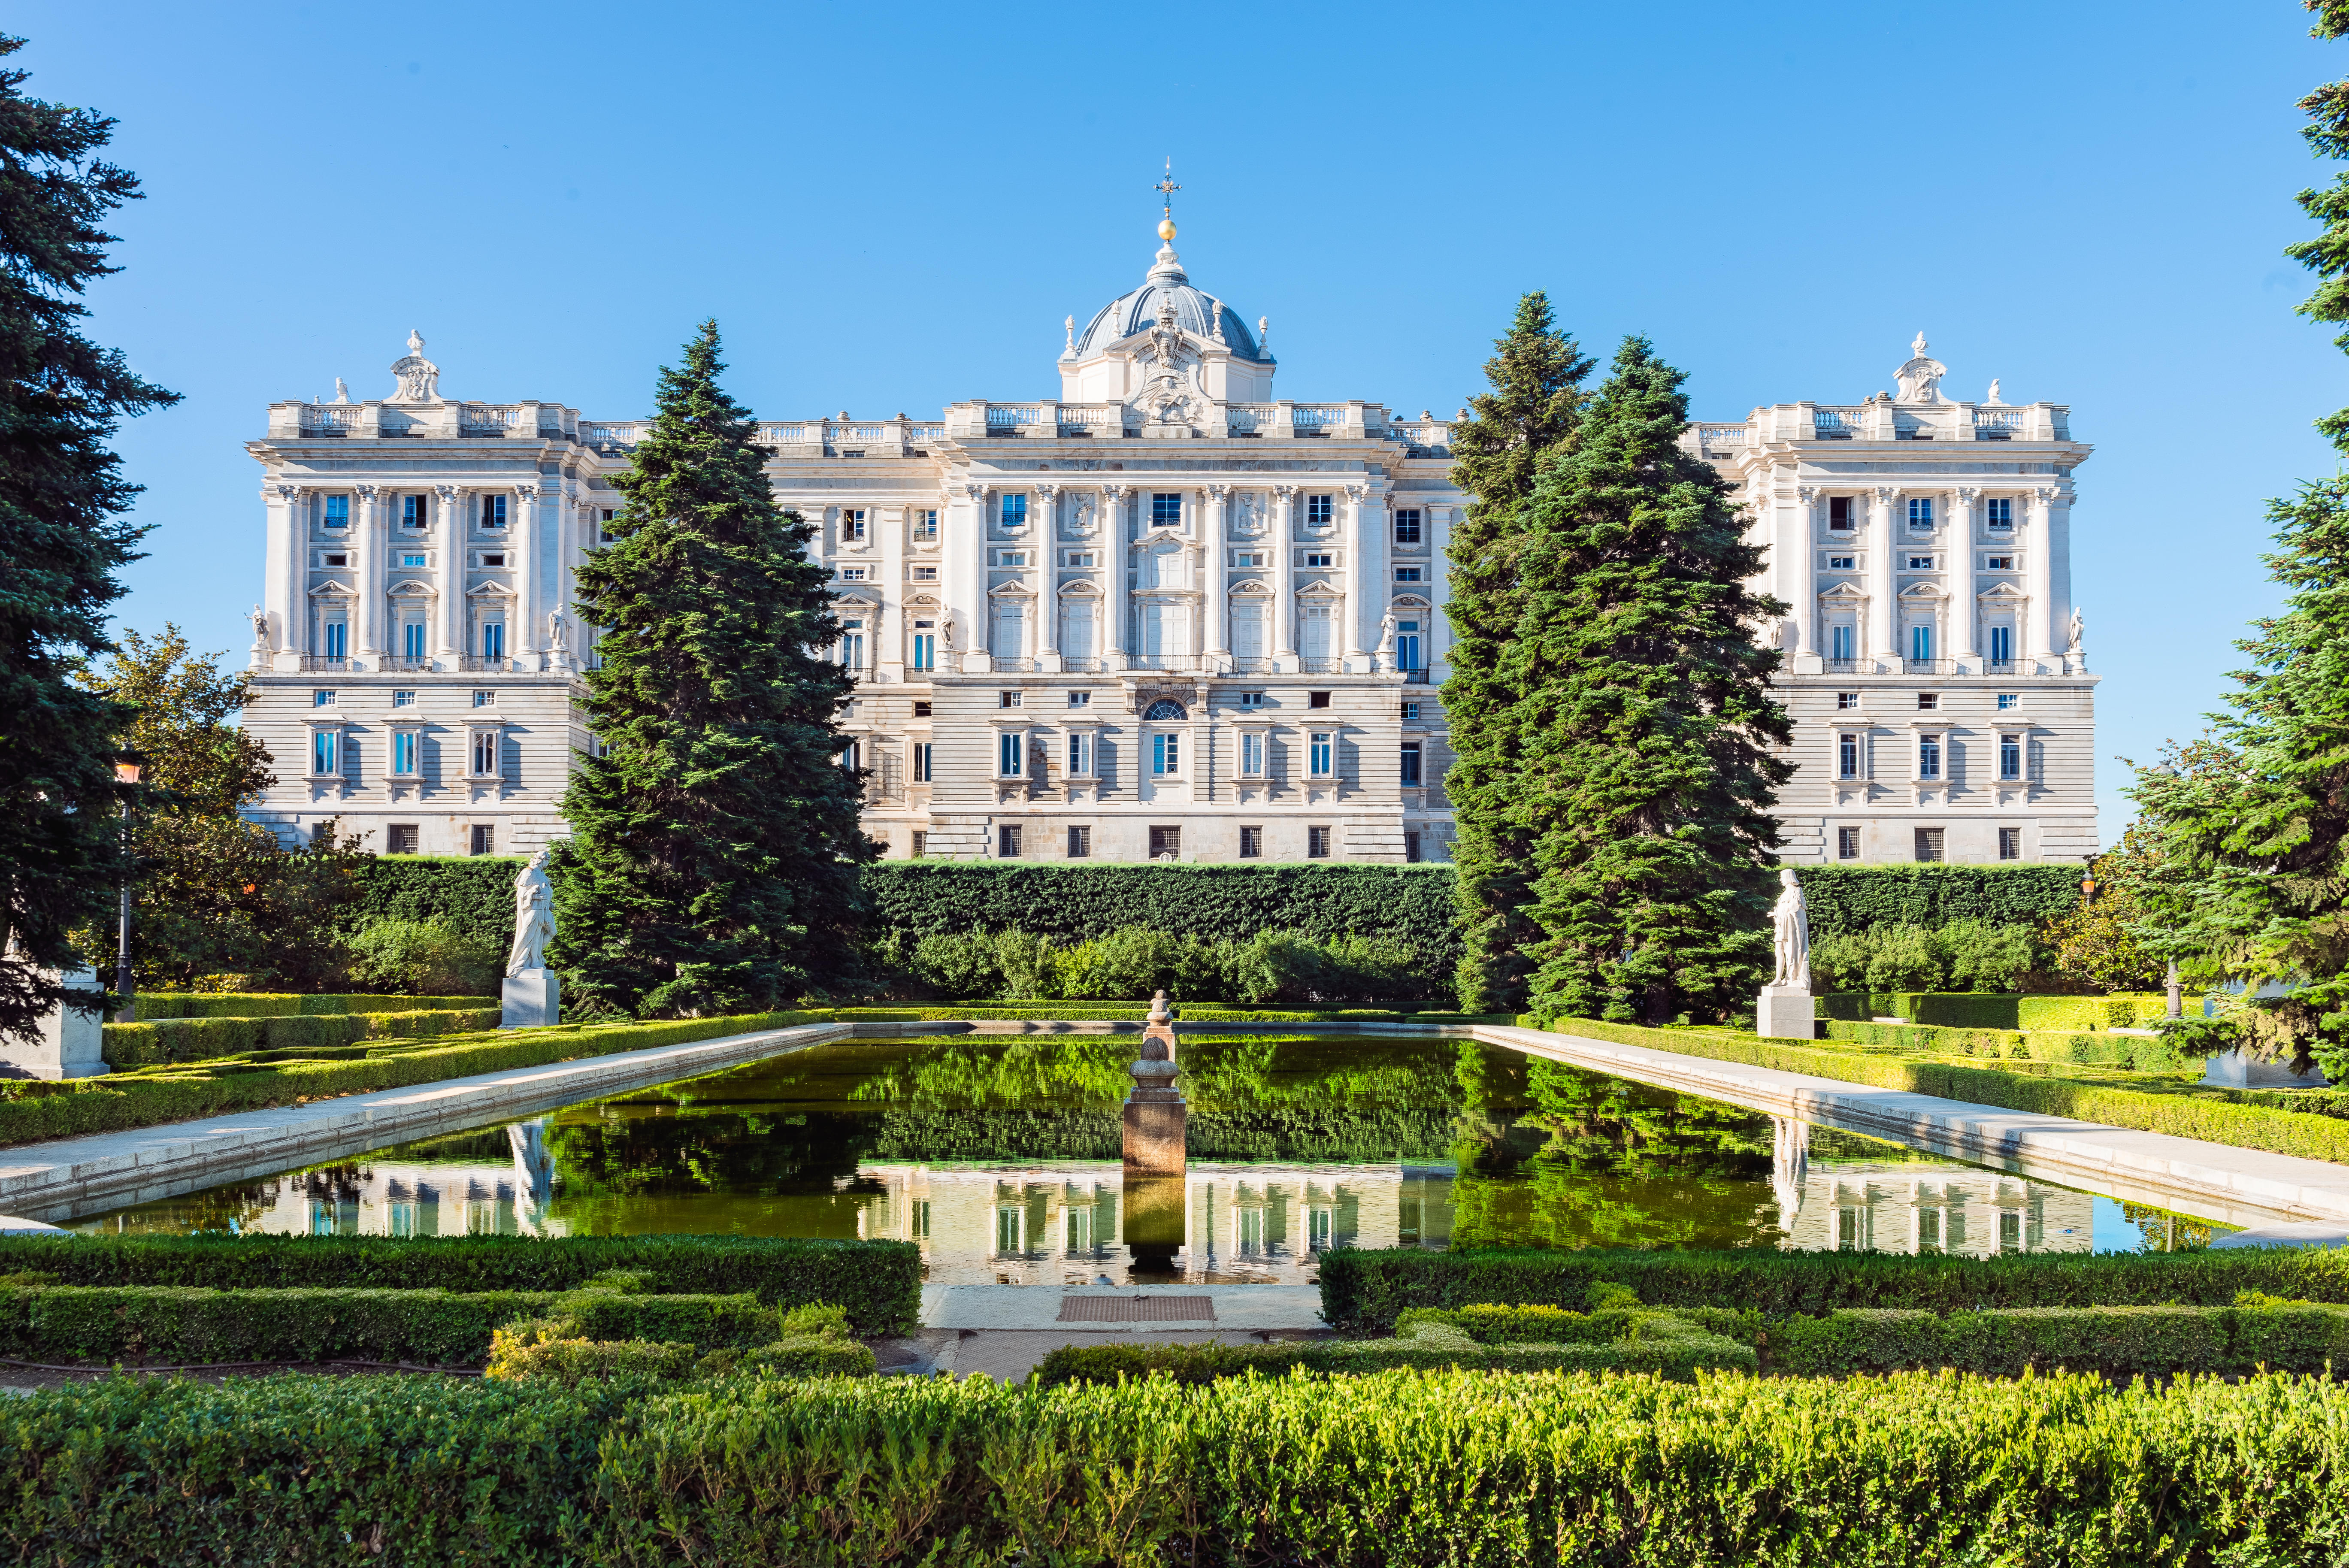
{"x": 1600, "y": 1162}
{"x": 2163, "y": 1231}
{"x": 709, "y": 1151}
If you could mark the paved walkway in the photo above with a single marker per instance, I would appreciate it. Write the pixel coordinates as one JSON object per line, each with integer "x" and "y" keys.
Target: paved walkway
{"x": 2211, "y": 1181}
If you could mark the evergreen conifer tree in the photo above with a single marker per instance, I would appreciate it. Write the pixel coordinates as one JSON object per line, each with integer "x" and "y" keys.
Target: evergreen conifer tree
{"x": 1643, "y": 724}
{"x": 1529, "y": 411}
{"x": 714, "y": 863}
{"x": 62, "y": 540}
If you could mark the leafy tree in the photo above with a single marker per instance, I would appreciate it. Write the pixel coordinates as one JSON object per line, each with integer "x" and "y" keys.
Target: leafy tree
{"x": 716, "y": 840}
{"x": 1530, "y": 411}
{"x": 62, "y": 540}
{"x": 2097, "y": 941}
{"x": 1643, "y": 722}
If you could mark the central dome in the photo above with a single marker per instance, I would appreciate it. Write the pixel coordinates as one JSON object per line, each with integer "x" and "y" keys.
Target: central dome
{"x": 1194, "y": 313}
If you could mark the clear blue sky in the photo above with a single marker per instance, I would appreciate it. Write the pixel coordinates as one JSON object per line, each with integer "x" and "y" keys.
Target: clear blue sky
{"x": 891, "y": 207}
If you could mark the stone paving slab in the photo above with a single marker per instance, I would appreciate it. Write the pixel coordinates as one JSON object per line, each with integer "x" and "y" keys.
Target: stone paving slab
{"x": 2211, "y": 1181}
{"x": 64, "y": 1178}
{"x": 1243, "y": 1308}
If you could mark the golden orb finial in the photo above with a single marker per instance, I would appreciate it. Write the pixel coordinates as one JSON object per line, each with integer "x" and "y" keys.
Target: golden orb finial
{"x": 1166, "y": 229}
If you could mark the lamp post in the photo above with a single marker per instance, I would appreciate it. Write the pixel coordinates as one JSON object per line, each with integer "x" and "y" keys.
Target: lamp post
{"x": 124, "y": 985}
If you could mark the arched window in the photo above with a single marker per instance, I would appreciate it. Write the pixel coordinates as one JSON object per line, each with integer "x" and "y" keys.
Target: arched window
{"x": 1165, "y": 707}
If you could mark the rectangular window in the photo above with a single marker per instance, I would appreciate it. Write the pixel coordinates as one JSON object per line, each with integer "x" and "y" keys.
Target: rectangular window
{"x": 338, "y": 639}
{"x": 1165, "y": 755}
{"x": 1251, "y": 755}
{"x": 1014, "y": 511}
{"x": 1920, "y": 644}
{"x": 1998, "y": 562}
{"x": 485, "y": 699}
{"x": 852, "y": 574}
{"x": 1921, "y": 564}
{"x": 322, "y": 699}
{"x": 1848, "y": 755}
{"x": 1322, "y": 752}
{"x": 1080, "y": 753}
{"x": 485, "y": 838}
{"x": 327, "y": 751}
{"x": 1406, "y": 573}
{"x": 2001, "y": 645}
{"x": 1407, "y": 526}
{"x": 925, "y": 525}
{"x": 1079, "y": 558}
{"x": 1317, "y": 844}
{"x": 1846, "y": 843}
{"x": 851, "y": 644}
{"x": 1007, "y": 700}
{"x": 851, "y": 525}
{"x": 603, "y": 528}
{"x": 1167, "y": 509}
{"x": 1011, "y": 557}
{"x": 1080, "y": 699}
{"x": 1842, "y": 563}
{"x": 2009, "y": 843}
{"x": 403, "y": 753}
{"x": 1407, "y": 646}
{"x": 1318, "y": 510}
{"x": 494, "y": 639}
{"x": 1321, "y": 558}
{"x": 1838, "y": 512}
{"x": 336, "y": 558}
{"x": 1316, "y": 699}
{"x": 2010, "y": 757}
{"x": 338, "y": 512}
{"x": 413, "y": 512}
{"x": 412, "y": 560}
{"x": 1251, "y": 699}
{"x": 1251, "y": 843}
{"x": 1410, "y": 764}
{"x": 1846, "y": 700}
{"x": 1081, "y": 843}
{"x": 494, "y": 559}
{"x": 921, "y": 709}
{"x": 1842, "y": 643}
{"x": 1007, "y": 843}
{"x": 924, "y": 574}
{"x": 1928, "y": 757}
{"x": 1010, "y": 746}
{"x": 922, "y": 761}
{"x": 2008, "y": 700}
{"x": 851, "y": 757}
{"x": 1929, "y": 702}
{"x": 1165, "y": 843}
{"x": 403, "y": 699}
{"x": 1928, "y": 845}
{"x": 485, "y": 754}
{"x": 493, "y": 511}
{"x": 1999, "y": 512}
{"x": 1410, "y": 711}
{"x": 1411, "y": 845}
{"x": 411, "y": 640}
{"x": 925, "y": 644}
{"x": 399, "y": 839}
{"x": 921, "y": 845}
{"x": 1920, "y": 512}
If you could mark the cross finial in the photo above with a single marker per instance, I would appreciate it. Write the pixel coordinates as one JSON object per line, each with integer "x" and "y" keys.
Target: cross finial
{"x": 1167, "y": 188}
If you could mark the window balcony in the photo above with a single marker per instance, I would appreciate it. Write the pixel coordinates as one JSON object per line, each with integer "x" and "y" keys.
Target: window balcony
{"x": 2009, "y": 668}
{"x": 475, "y": 664}
{"x": 1322, "y": 667}
{"x": 312, "y": 663}
{"x": 1159, "y": 661}
{"x": 1251, "y": 667}
{"x": 1008, "y": 663}
{"x": 407, "y": 662}
{"x": 1930, "y": 667}
{"x": 1849, "y": 666}
{"x": 1413, "y": 677}
{"x": 1080, "y": 664}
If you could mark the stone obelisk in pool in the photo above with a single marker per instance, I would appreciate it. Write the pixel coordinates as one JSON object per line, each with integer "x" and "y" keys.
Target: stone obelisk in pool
{"x": 1155, "y": 1117}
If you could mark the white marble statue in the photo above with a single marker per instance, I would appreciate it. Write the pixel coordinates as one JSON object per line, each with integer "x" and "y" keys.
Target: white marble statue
{"x": 2074, "y": 633}
{"x": 1792, "y": 920}
{"x": 558, "y": 632}
{"x": 533, "y": 916}
{"x": 342, "y": 393}
{"x": 260, "y": 629}
{"x": 1992, "y": 401}
{"x": 1387, "y": 633}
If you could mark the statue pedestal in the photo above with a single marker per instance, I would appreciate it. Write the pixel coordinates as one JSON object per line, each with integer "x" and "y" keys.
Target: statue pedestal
{"x": 1785, "y": 1013}
{"x": 72, "y": 1043}
{"x": 533, "y": 999}
{"x": 1154, "y": 1132}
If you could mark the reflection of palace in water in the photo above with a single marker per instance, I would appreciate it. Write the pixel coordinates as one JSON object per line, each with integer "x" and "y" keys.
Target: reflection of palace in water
{"x": 1057, "y": 1222}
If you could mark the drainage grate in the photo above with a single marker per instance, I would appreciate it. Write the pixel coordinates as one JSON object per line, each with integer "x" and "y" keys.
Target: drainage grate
{"x": 1137, "y": 1308}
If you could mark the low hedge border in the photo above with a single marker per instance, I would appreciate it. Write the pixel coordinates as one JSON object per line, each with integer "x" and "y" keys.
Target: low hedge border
{"x": 170, "y": 1040}
{"x": 878, "y": 1283}
{"x": 1999, "y": 1009}
{"x": 1622, "y": 1341}
{"x": 1366, "y": 1289}
{"x": 2117, "y": 1341}
{"x": 2101, "y": 1049}
{"x": 2180, "y": 1111}
{"x": 157, "y": 1005}
{"x": 1134, "y": 1012}
{"x": 34, "y": 1108}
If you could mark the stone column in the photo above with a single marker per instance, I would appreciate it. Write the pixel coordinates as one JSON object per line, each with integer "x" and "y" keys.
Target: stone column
{"x": 1218, "y": 585}
{"x": 1439, "y": 592}
{"x": 450, "y": 634}
{"x": 1790, "y": 530}
{"x": 1357, "y": 600}
{"x": 1284, "y": 578}
{"x": 530, "y": 607}
{"x": 369, "y": 544}
{"x": 1883, "y": 622}
{"x": 1113, "y": 561}
{"x": 1046, "y": 525}
{"x": 288, "y": 573}
{"x": 889, "y": 659}
{"x": 963, "y": 553}
{"x": 1957, "y": 573}
{"x": 2046, "y": 633}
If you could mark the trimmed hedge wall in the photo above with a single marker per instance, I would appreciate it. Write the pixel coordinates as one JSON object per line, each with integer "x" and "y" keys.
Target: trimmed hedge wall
{"x": 160, "y": 1004}
{"x": 2101, "y": 1048}
{"x": 2000, "y": 1009}
{"x": 472, "y": 892}
{"x": 1406, "y": 1469}
{"x": 878, "y": 1282}
{"x": 2119, "y": 1341}
{"x": 2180, "y": 1112}
{"x": 39, "y": 1108}
{"x": 1365, "y": 1288}
{"x": 1854, "y": 898}
{"x": 196, "y": 1039}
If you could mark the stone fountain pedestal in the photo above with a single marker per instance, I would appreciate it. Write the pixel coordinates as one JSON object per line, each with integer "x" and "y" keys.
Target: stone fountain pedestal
{"x": 1156, "y": 1120}
{"x": 533, "y": 999}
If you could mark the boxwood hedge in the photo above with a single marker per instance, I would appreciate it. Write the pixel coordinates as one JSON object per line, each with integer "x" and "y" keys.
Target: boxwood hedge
{"x": 155, "y": 1005}
{"x": 202, "y": 1038}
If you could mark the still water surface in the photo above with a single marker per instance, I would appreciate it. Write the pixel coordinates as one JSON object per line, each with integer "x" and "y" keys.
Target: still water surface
{"x": 999, "y": 1157}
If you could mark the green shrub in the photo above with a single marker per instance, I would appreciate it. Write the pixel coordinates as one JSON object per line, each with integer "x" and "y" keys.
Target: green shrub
{"x": 1367, "y": 1289}
{"x": 2214, "y": 1118}
{"x": 157, "y": 1005}
{"x": 877, "y": 1283}
{"x": 1844, "y": 899}
{"x": 2119, "y": 1341}
{"x": 570, "y": 1361}
{"x": 792, "y": 1356}
{"x": 424, "y": 957}
{"x": 1958, "y": 955}
{"x": 818, "y": 1317}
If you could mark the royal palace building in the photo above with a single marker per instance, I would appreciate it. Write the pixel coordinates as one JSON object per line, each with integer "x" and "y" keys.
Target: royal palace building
{"x": 1165, "y": 615}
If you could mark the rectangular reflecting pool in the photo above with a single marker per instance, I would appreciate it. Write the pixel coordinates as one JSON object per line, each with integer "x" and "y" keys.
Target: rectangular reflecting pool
{"x": 999, "y": 1157}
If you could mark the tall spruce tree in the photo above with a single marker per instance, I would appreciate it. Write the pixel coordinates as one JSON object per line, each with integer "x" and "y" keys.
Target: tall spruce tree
{"x": 714, "y": 865}
{"x": 2254, "y": 828}
{"x": 62, "y": 540}
{"x": 1529, "y": 412}
{"x": 1643, "y": 722}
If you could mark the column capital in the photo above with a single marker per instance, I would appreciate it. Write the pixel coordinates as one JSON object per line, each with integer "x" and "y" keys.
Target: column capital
{"x": 450, "y": 493}
{"x": 1219, "y": 492}
{"x": 1048, "y": 492}
{"x": 291, "y": 493}
{"x": 1116, "y": 492}
{"x": 1286, "y": 492}
{"x": 527, "y": 492}
{"x": 365, "y": 492}
{"x": 1886, "y": 494}
{"x": 1807, "y": 493}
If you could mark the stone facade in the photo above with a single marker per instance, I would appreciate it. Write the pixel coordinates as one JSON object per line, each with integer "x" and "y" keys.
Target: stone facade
{"x": 1164, "y": 616}
{"x": 1942, "y": 704}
